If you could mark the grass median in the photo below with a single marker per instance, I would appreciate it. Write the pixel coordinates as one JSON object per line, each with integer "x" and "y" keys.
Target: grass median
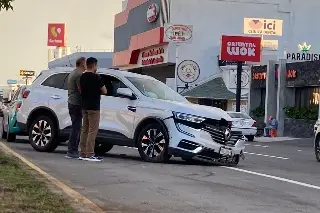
{"x": 23, "y": 191}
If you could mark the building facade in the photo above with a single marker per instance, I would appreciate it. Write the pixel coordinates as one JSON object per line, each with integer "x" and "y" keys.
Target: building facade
{"x": 139, "y": 45}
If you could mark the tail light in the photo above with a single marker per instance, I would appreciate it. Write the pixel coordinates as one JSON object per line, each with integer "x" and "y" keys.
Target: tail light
{"x": 229, "y": 124}
{"x": 25, "y": 94}
{"x": 254, "y": 124}
{"x": 18, "y": 106}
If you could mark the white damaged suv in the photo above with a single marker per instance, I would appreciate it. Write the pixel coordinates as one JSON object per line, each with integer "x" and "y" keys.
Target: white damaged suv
{"x": 139, "y": 111}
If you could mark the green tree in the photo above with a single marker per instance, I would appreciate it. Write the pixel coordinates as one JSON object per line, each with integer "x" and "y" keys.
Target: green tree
{"x": 6, "y": 5}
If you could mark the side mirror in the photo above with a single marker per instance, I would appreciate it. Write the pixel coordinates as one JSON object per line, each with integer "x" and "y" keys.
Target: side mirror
{"x": 126, "y": 93}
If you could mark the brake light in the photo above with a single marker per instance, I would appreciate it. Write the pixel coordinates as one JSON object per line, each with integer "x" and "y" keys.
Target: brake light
{"x": 25, "y": 94}
{"x": 254, "y": 124}
{"x": 18, "y": 106}
{"x": 229, "y": 124}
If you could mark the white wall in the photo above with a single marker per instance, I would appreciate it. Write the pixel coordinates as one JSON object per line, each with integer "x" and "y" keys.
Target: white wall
{"x": 213, "y": 18}
{"x": 104, "y": 59}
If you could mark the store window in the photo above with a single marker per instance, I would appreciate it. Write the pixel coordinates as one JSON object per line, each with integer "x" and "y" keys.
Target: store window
{"x": 307, "y": 96}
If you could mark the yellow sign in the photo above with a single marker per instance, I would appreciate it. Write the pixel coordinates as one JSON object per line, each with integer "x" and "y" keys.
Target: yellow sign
{"x": 261, "y": 26}
{"x": 270, "y": 45}
{"x": 27, "y": 73}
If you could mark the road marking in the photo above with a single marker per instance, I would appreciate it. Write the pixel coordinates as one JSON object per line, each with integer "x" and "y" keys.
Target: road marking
{"x": 247, "y": 144}
{"x": 274, "y": 177}
{"x": 76, "y": 196}
{"x": 270, "y": 156}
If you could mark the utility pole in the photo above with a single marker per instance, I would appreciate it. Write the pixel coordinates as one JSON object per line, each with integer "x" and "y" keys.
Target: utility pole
{"x": 238, "y": 91}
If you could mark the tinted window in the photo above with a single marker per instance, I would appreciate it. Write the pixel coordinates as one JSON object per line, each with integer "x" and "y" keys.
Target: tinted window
{"x": 65, "y": 84}
{"x": 112, "y": 84}
{"x": 56, "y": 81}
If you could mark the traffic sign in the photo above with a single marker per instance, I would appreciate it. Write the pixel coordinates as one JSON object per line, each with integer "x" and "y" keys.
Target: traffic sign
{"x": 27, "y": 73}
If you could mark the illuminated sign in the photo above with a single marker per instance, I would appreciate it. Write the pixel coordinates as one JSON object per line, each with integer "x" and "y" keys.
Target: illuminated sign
{"x": 153, "y": 56}
{"x": 303, "y": 54}
{"x": 290, "y": 74}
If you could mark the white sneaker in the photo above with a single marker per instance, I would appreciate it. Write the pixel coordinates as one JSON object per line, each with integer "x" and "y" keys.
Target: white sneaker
{"x": 82, "y": 158}
{"x": 94, "y": 159}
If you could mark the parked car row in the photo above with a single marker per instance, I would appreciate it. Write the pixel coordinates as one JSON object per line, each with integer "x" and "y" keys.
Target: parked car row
{"x": 139, "y": 111}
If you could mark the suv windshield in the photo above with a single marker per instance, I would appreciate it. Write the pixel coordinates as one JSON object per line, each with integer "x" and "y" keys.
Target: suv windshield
{"x": 156, "y": 89}
{"x": 239, "y": 115}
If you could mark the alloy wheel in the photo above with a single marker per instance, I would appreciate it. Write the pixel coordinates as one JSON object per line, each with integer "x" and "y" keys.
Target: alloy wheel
{"x": 153, "y": 143}
{"x": 41, "y": 133}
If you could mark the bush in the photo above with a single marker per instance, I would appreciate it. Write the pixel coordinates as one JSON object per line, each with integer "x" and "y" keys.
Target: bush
{"x": 306, "y": 113}
{"x": 258, "y": 112}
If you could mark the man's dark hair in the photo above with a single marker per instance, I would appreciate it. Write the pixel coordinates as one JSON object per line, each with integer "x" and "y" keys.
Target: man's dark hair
{"x": 91, "y": 62}
{"x": 80, "y": 61}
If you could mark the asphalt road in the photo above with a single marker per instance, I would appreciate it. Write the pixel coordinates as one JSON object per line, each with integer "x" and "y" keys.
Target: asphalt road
{"x": 276, "y": 177}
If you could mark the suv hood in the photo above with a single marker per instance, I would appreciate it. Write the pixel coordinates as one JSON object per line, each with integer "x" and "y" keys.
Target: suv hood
{"x": 192, "y": 109}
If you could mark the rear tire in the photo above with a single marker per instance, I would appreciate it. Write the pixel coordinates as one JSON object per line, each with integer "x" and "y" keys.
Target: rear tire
{"x": 43, "y": 134}
{"x": 153, "y": 142}
{"x": 3, "y": 134}
{"x": 11, "y": 137}
{"x": 101, "y": 149}
{"x": 250, "y": 137}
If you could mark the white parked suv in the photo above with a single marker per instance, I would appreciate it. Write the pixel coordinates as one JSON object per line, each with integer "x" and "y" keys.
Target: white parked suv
{"x": 139, "y": 111}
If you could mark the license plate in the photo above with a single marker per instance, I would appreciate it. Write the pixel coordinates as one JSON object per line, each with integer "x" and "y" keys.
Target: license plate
{"x": 225, "y": 152}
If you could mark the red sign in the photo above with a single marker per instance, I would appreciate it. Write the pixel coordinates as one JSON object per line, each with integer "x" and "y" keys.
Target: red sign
{"x": 153, "y": 13}
{"x": 240, "y": 48}
{"x": 153, "y": 56}
{"x": 56, "y": 35}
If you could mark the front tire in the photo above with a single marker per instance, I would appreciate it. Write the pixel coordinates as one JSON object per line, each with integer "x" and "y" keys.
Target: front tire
{"x": 43, "y": 134}
{"x": 101, "y": 149}
{"x": 153, "y": 142}
{"x": 250, "y": 137}
{"x": 317, "y": 148}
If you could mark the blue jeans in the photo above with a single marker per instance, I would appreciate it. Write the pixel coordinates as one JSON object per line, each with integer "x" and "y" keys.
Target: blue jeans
{"x": 75, "y": 113}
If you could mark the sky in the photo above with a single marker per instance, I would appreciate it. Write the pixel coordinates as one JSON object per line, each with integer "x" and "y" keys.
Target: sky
{"x": 23, "y": 32}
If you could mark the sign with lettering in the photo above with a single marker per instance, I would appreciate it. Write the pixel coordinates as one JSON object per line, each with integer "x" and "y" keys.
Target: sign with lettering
{"x": 290, "y": 74}
{"x": 27, "y": 73}
{"x": 178, "y": 33}
{"x": 261, "y": 26}
{"x": 153, "y": 56}
{"x": 240, "y": 48}
{"x": 303, "y": 54}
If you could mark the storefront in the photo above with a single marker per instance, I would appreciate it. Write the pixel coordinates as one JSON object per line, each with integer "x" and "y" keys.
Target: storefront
{"x": 139, "y": 45}
{"x": 302, "y": 85}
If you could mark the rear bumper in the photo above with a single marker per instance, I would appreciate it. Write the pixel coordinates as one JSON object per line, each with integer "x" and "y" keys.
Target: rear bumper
{"x": 246, "y": 131}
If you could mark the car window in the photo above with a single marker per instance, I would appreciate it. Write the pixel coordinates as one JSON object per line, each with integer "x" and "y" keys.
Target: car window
{"x": 239, "y": 115}
{"x": 65, "y": 84}
{"x": 156, "y": 89}
{"x": 112, "y": 84}
{"x": 56, "y": 81}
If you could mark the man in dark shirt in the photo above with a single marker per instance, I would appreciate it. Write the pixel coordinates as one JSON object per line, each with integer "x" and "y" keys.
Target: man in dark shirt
{"x": 91, "y": 88}
{"x": 74, "y": 106}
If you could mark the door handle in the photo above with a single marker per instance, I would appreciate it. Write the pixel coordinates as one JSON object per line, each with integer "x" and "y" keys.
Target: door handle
{"x": 55, "y": 97}
{"x": 132, "y": 108}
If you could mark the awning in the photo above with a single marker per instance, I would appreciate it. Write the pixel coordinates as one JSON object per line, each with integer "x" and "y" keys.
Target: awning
{"x": 213, "y": 89}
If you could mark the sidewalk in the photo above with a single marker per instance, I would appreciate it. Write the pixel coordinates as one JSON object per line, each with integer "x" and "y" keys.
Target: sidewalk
{"x": 273, "y": 139}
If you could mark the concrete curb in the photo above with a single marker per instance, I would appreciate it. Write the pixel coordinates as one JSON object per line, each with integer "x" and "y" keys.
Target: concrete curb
{"x": 76, "y": 196}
